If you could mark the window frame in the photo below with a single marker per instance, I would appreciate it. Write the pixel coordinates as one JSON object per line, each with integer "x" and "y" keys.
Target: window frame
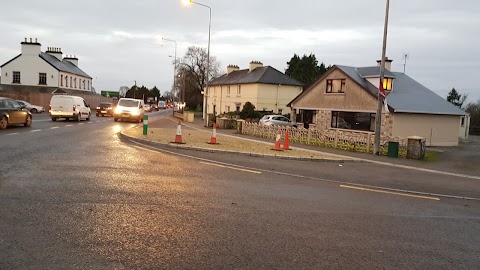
{"x": 40, "y": 78}
{"x": 330, "y": 86}
{"x": 16, "y": 77}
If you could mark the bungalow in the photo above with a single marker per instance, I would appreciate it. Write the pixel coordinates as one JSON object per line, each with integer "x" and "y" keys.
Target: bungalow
{"x": 346, "y": 98}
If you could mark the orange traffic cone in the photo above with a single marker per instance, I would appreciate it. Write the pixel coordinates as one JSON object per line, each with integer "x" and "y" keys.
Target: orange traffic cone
{"x": 286, "y": 143}
{"x": 213, "y": 139}
{"x": 277, "y": 142}
{"x": 178, "y": 136}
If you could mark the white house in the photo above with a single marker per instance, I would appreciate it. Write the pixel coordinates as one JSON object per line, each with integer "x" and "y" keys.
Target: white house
{"x": 32, "y": 67}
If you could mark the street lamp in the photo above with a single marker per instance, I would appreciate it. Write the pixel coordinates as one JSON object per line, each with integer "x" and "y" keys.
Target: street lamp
{"x": 174, "y": 65}
{"x": 186, "y": 2}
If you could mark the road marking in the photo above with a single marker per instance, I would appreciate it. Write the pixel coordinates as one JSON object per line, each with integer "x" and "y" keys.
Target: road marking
{"x": 97, "y": 121}
{"x": 53, "y": 127}
{"x": 391, "y": 192}
{"x": 230, "y": 167}
{"x": 414, "y": 192}
{"x": 35, "y": 130}
{"x": 69, "y": 126}
{"x": 13, "y": 134}
{"x": 81, "y": 123}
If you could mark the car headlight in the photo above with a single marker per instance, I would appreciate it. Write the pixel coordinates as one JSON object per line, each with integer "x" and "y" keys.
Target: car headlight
{"x": 135, "y": 112}
{"x": 118, "y": 110}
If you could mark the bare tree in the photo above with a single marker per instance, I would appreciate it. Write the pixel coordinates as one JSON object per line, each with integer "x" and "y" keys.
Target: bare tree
{"x": 193, "y": 73}
{"x": 123, "y": 91}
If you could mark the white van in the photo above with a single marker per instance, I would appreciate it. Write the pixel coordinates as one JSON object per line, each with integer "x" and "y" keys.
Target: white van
{"x": 69, "y": 107}
{"x": 129, "y": 109}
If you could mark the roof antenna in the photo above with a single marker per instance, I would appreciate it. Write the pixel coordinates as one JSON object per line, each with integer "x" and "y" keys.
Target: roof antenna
{"x": 405, "y": 57}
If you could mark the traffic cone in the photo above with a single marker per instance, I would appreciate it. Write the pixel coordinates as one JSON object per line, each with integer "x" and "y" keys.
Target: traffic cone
{"x": 213, "y": 139}
{"x": 286, "y": 143}
{"x": 178, "y": 136}
{"x": 277, "y": 146}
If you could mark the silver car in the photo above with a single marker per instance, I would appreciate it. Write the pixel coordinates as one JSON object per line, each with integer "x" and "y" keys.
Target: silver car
{"x": 277, "y": 120}
{"x": 30, "y": 107}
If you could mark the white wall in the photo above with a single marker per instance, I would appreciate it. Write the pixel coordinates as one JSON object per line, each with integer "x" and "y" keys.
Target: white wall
{"x": 71, "y": 78}
{"x": 29, "y": 65}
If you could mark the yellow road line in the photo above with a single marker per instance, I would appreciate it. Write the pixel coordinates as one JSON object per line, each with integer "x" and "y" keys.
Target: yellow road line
{"x": 229, "y": 167}
{"x": 391, "y": 192}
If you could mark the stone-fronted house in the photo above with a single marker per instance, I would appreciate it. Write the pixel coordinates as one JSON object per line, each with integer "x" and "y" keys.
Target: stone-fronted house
{"x": 264, "y": 86}
{"x": 37, "y": 70}
{"x": 346, "y": 98}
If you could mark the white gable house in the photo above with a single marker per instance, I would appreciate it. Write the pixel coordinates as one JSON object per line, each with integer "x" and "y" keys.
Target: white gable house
{"x": 32, "y": 67}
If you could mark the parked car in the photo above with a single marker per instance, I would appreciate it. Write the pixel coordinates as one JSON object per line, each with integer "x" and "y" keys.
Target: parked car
{"x": 30, "y": 107}
{"x": 69, "y": 107}
{"x": 341, "y": 124}
{"x": 129, "y": 108}
{"x": 12, "y": 113}
{"x": 105, "y": 108}
{"x": 277, "y": 120}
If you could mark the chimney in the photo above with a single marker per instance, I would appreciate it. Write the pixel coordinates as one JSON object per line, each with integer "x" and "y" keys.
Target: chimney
{"x": 56, "y": 52}
{"x": 31, "y": 47}
{"x": 388, "y": 63}
{"x": 255, "y": 64}
{"x": 232, "y": 68}
{"x": 72, "y": 59}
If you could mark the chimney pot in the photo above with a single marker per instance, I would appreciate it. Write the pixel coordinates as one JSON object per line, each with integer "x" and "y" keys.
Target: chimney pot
{"x": 25, "y": 39}
{"x": 36, "y": 40}
{"x": 31, "y": 40}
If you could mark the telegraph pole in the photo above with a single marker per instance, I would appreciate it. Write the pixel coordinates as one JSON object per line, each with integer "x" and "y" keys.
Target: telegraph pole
{"x": 378, "y": 117}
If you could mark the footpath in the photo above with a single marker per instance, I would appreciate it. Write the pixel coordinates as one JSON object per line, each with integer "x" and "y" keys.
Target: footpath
{"x": 461, "y": 161}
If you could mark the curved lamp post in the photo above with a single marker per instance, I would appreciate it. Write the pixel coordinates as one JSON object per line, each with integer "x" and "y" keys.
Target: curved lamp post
{"x": 205, "y": 115}
{"x": 174, "y": 65}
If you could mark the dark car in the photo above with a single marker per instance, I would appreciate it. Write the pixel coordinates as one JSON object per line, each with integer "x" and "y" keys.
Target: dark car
{"x": 105, "y": 108}
{"x": 12, "y": 113}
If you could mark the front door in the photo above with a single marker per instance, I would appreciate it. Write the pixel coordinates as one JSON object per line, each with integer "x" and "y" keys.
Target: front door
{"x": 307, "y": 117}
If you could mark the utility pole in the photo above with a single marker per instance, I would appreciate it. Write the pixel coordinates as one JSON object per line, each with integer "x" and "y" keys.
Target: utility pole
{"x": 378, "y": 117}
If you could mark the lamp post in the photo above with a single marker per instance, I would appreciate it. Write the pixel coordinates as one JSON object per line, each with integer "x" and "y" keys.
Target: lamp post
{"x": 378, "y": 117}
{"x": 174, "y": 65}
{"x": 205, "y": 92}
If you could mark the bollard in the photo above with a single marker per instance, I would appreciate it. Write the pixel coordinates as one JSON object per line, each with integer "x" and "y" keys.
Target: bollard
{"x": 145, "y": 124}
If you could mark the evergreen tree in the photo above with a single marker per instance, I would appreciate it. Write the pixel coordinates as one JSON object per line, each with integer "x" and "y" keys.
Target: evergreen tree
{"x": 456, "y": 98}
{"x": 306, "y": 69}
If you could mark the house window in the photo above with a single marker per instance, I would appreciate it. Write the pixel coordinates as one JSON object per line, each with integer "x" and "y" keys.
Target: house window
{"x": 42, "y": 78}
{"x": 388, "y": 84}
{"x": 71, "y": 85}
{"x": 462, "y": 121}
{"x": 83, "y": 84}
{"x": 75, "y": 82}
{"x": 66, "y": 81}
{"x": 239, "y": 91}
{"x": 336, "y": 86}
{"x": 237, "y": 107}
{"x": 61, "y": 80}
{"x": 228, "y": 91}
{"x": 227, "y": 108}
{"x": 280, "y": 111}
{"x": 353, "y": 120}
{"x": 16, "y": 77}
{"x": 88, "y": 85}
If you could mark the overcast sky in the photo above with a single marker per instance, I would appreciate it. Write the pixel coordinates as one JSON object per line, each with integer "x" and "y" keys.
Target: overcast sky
{"x": 118, "y": 42}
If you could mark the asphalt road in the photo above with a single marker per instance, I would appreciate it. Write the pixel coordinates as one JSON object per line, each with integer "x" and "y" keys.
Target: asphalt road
{"x": 73, "y": 196}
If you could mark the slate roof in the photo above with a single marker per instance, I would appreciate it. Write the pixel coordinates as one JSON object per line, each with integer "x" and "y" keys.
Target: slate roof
{"x": 408, "y": 95}
{"x": 266, "y": 74}
{"x": 63, "y": 65}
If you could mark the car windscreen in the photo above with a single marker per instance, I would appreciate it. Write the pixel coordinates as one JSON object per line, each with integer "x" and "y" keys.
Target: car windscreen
{"x": 128, "y": 103}
{"x": 105, "y": 104}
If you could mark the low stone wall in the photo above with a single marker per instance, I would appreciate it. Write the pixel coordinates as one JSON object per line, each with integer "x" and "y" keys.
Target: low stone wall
{"x": 43, "y": 99}
{"x": 335, "y": 138}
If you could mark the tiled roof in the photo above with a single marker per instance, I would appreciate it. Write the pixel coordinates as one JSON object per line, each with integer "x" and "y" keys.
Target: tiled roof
{"x": 407, "y": 96}
{"x": 267, "y": 75}
{"x": 63, "y": 65}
